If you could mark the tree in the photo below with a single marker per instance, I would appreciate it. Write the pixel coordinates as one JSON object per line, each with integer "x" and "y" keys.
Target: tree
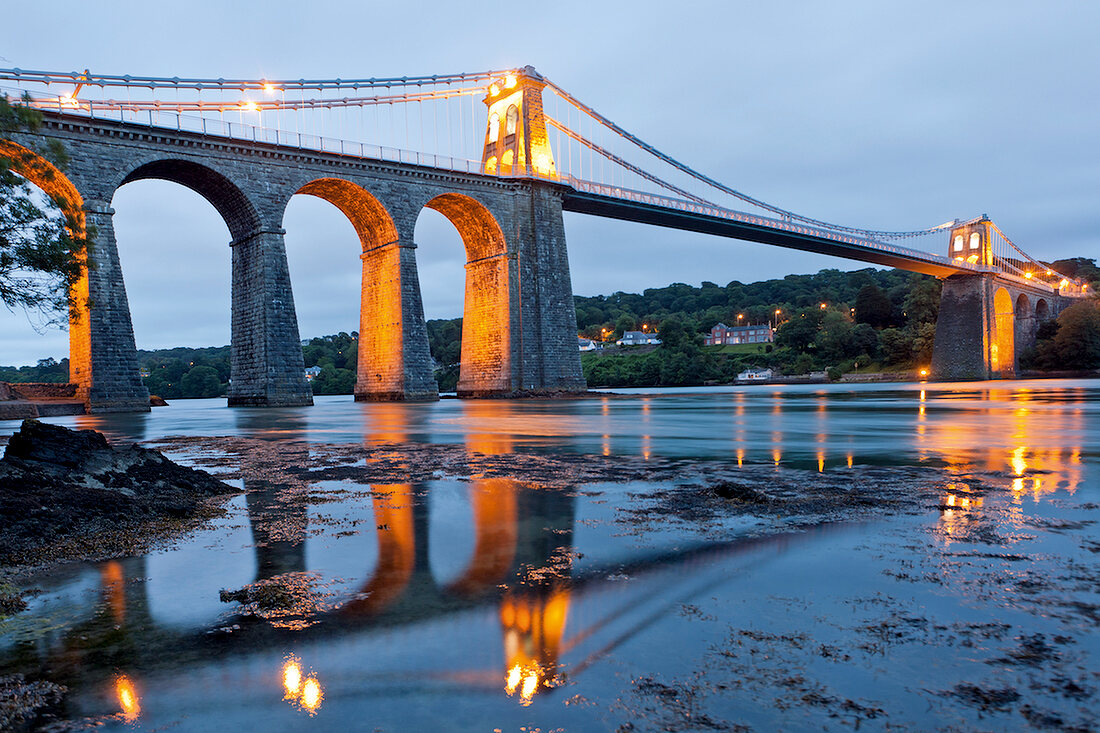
{"x": 42, "y": 246}
{"x": 200, "y": 381}
{"x": 1076, "y": 343}
{"x": 873, "y": 307}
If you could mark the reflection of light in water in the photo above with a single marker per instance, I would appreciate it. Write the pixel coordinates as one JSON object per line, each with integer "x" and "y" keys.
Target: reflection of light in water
{"x": 533, "y": 621}
{"x": 1019, "y": 463}
{"x": 312, "y": 696}
{"x": 607, "y": 445}
{"x": 954, "y": 507}
{"x": 776, "y": 455}
{"x": 645, "y": 447}
{"x": 740, "y": 457}
{"x": 849, "y": 460}
{"x": 306, "y": 695}
{"x": 820, "y": 462}
{"x": 292, "y": 679}
{"x": 115, "y": 589}
{"x": 530, "y": 684}
{"x": 127, "y": 698}
{"x": 515, "y": 674}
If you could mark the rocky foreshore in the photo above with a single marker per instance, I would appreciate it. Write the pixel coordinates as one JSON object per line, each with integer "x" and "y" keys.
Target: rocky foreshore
{"x": 61, "y": 485}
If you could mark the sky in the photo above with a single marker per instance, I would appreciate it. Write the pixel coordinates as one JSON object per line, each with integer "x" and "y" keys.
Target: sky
{"x": 880, "y": 115}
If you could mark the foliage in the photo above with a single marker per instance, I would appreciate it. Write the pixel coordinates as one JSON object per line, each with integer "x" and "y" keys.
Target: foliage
{"x": 1070, "y": 343}
{"x": 898, "y": 309}
{"x": 201, "y": 381}
{"x": 42, "y": 245}
{"x": 873, "y": 307}
{"x": 333, "y": 380}
{"x": 46, "y": 370}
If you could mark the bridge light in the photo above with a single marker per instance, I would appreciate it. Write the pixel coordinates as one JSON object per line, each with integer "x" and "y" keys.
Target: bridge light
{"x": 494, "y": 89}
{"x": 250, "y": 106}
{"x": 1063, "y": 283}
{"x": 1028, "y": 275}
{"x": 509, "y": 81}
{"x": 269, "y": 88}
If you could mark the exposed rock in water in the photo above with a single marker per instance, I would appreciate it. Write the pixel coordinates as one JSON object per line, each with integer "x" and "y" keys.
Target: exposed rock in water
{"x": 157, "y": 401}
{"x": 734, "y": 491}
{"x": 57, "y": 483}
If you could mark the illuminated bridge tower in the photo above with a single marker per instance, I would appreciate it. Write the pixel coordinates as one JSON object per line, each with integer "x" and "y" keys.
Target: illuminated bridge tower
{"x": 987, "y": 319}
{"x": 515, "y": 138}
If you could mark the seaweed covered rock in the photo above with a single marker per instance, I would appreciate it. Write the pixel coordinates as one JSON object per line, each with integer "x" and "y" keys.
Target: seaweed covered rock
{"x": 57, "y": 483}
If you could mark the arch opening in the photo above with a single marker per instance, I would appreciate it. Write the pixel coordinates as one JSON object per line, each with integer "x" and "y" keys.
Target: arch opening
{"x": 375, "y": 366}
{"x": 1042, "y": 310}
{"x": 1002, "y": 349}
{"x": 485, "y": 353}
{"x": 1023, "y": 306}
{"x": 189, "y": 237}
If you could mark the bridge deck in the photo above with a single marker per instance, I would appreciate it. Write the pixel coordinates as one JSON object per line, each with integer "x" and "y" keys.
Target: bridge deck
{"x": 695, "y": 221}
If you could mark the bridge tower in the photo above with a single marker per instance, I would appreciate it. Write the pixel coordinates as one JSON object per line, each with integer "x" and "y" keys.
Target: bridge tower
{"x": 987, "y": 319}
{"x": 516, "y": 142}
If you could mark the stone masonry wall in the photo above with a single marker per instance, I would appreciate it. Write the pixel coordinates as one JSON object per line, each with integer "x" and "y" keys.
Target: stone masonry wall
{"x": 251, "y": 184}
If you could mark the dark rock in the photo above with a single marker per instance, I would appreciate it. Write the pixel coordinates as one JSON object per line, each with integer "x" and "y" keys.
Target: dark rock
{"x": 740, "y": 492}
{"x": 20, "y": 700}
{"x": 57, "y": 483}
{"x": 157, "y": 401}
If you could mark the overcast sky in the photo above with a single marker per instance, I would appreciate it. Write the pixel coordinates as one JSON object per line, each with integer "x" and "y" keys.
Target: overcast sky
{"x": 877, "y": 114}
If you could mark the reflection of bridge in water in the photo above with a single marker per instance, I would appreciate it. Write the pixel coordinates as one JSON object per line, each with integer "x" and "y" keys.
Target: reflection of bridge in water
{"x": 517, "y": 612}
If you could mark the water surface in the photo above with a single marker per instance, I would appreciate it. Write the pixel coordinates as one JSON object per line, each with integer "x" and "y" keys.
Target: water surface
{"x": 480, "y": 603}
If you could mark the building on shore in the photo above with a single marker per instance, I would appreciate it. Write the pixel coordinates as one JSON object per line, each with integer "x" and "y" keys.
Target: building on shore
{"x": 638, "y": 338}
{"x": 723, "y": 334}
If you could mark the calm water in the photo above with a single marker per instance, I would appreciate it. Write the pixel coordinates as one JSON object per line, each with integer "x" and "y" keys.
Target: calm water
{"x": 484, "y": 604}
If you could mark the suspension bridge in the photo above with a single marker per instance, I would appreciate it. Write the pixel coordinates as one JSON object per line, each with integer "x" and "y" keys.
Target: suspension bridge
{"x": 501, "y": 154}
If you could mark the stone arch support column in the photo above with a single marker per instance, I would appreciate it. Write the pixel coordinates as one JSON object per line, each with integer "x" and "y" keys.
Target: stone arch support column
{"x": 394, "y": 361}
{"x": 266, "y": 366}
{"x": 549, "y": 361}
{"x": 102, "y": 353}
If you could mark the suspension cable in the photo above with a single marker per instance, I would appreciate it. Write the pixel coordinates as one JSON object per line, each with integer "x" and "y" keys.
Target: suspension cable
{"x": 86, "y": 78}
{"x": 726, "y": 189}
{"x": 625, "y": 164}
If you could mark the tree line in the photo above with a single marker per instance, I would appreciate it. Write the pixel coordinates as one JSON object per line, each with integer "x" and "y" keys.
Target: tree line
{"x": 871, "y": 320}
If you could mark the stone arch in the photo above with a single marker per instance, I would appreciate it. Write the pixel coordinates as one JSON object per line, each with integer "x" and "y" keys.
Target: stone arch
{"x": 52, "y": 182}
{"x": 1025, "y": 323}
{"x": 238, "y": 212}
{"x": 1042, "y": 310}
{"x": 380, "y": 365}
{"x": 46, "y": 176}
{"x": 1023, "y": 307}
{"x": 371, "y": 220}
{"x": 486, "y": 351}
{"x": 1003, "y": 346}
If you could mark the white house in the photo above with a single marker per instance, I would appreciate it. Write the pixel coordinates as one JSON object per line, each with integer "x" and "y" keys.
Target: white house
{"x": 637, "y": 338}
{"x": 586, "y": 344}
{"x": 312, "y": 372}
{"x": 755, "y": 375}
